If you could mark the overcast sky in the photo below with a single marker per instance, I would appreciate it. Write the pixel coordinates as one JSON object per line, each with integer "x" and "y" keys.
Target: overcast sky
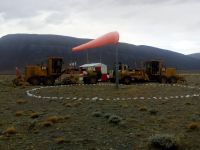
{"x": 168, "y": 24}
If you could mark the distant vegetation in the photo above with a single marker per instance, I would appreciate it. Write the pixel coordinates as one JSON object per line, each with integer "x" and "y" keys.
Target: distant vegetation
{"x": 21, "y": 49}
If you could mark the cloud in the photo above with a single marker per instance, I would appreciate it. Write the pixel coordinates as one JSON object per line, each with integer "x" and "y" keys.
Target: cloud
{"x": 172, "y": 24}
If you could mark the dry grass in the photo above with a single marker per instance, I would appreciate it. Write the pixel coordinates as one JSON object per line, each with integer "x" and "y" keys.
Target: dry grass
{"x": 188, "y": 103}
{"x": 139, "y": 118}
{"x": 143, "y": 109}
{"x": 47, "y": 124}
{"x": 19, "y": 113}
{"x": 21, "y": 101}
{"x": 193, "y": 126}
{"x": 68, "y": 104}
{"x": 10, "y": 130}
{"x": 60, "y": 140}
{"x": 34, "y": 115}
{"x": 67, "y": 117}
{"x": 54, "y": 119}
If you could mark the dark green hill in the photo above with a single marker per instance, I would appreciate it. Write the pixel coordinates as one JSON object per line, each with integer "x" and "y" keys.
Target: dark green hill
{"x": 195, "y": 55}
{"x": 21, "y": 49}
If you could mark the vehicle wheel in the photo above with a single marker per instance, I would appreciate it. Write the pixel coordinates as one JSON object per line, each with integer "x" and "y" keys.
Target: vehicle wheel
{"x": 34, "y": 81}
{"x": 85, "y": 80}
{"x": 112, "y": 80}
{"x": 127, "y": 80}
{"x": 163, "y": 79}
{"x": 173, "y": 80}
{"x": 49, "y": 81}
{"x": 93, "y": 80}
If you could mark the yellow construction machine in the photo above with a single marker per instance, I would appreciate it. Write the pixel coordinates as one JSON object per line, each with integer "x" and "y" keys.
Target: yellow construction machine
{"x": 42, "y": 74}
{"x": 157, "y": 72}
{"x": 153, "y": 70}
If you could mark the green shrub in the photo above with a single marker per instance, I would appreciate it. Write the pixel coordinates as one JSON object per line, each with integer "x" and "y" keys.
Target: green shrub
{"x": 164, "y": 141}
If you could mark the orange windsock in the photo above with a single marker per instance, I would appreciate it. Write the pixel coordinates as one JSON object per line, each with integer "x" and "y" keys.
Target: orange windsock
{"x": 109, "y": 38}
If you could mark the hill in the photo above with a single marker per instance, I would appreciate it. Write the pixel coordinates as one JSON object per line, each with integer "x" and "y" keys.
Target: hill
{"x": 21, "y": 49}
{"x": 195, "y": 55}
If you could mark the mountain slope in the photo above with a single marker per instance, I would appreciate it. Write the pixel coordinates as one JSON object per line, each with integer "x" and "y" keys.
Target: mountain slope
{"x": 195, "y": 55}
{"x": 21, "y": 49}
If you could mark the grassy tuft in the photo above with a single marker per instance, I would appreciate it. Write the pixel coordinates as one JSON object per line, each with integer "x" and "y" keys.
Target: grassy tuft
{"x": 19, "y": 113}
{"x": 114, "y": 119}
{"x": 47, "y": 124}
{"x": 164, "y": 141}
{"x": 153, "y": 111}
{"x": 11, "y": 130}
{"x": 107, "y": 115}
{"x": 143, "y": 109}
{"x": 97, "y": 114}
{"x": 21, "y": 101}
{"x": 53, "y": 119}
{"x": 193, "y": 126}
{"x": 60, "y": 140}
{"x": 34, "y": 115}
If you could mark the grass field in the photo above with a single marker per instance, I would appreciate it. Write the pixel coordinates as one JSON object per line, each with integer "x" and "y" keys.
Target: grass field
{"x": 99, "y": 117}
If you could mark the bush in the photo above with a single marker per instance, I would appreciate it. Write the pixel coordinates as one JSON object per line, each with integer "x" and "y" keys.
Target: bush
{"x": 114, "y": 119}
{"x": 143, "y": 109}
{"x": 193, "y": 126}
{"x": 97, "y": 114}
{"x": 60, "y": 140}
{"x": 11, "y": 130}
{"x": 107, "y": 115}
{"x": 47, "y": 124}
{"x": 19, "y": 113}
{"x": 164, "y": 141}
{"x": 34, "y": 115}
{"x": 53, "y": 119}
{"x": 153, "y": 111}
{"x": 21, "y": 101}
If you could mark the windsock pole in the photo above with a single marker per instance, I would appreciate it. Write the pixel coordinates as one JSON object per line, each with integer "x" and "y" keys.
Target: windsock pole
{"x": 116, "y": 67}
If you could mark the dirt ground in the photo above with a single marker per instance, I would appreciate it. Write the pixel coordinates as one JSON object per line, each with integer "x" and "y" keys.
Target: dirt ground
{"x": 80, "y": 118}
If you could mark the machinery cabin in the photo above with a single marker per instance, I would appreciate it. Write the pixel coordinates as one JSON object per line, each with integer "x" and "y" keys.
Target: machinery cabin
{"x": 127, "y": 75}
{"x": 157, "y": 72}
{"x": 45, "y": 74}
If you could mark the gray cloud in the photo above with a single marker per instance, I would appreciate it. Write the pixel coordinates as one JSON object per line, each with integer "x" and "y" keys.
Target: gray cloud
{"x": 166, "y": 24}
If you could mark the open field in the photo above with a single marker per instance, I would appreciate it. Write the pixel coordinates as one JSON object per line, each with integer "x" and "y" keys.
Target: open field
{"x": 99, "y": 117}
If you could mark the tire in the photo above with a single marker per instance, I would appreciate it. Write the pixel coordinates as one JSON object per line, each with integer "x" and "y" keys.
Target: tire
{"x": 49, "y": 81}
{"x": 112, "y": 80}
{"x": 127, "y": 80}
{"x": 93, "y": 80}
{"x": 85, "y": 80}
{"x": 173, "y": 80}
{"x": 163, "y": 80}
{"x": 34, "y": 81}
